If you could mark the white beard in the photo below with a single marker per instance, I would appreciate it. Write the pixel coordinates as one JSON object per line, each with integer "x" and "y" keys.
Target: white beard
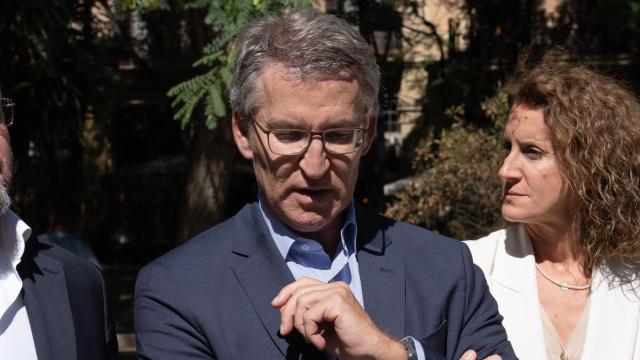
{"x": 5, "y": 200}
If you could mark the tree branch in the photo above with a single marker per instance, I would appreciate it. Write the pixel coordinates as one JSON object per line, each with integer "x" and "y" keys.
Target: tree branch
{"x": 432, "y": 27}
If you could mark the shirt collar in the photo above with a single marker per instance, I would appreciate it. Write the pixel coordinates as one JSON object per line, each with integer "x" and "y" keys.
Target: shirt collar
{"x": 285, "y": 237}
{"x": 13, "y": 234}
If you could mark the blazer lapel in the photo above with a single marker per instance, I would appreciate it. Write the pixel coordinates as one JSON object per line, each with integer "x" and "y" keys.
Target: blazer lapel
{"x": 614, "y": 315}
{"x": 513, "y": 284}
{"x": 261, "y": 271}
{"x": 514, "y": 266}
{"x": 382, "y": 276}
{"x": 47, "y": 302}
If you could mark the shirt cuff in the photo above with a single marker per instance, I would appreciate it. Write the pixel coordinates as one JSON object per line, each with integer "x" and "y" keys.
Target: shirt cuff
{"x": 419, "y": 349}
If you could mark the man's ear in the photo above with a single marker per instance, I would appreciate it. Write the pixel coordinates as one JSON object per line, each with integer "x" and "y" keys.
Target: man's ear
{"x": 371, "y": 134}
{"x": 241, "y": 136}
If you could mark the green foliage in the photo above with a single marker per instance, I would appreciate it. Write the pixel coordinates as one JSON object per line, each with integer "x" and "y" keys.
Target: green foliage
{"x": 496, "y": 108}
{"x": 131, "y": 5}
{"x": 456, "y": 190}
{"x": 225, "y": 18}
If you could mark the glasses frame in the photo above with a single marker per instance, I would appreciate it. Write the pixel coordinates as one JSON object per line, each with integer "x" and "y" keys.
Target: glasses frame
{"x": 7, "y": 106}
{"x": 362, "y": 133}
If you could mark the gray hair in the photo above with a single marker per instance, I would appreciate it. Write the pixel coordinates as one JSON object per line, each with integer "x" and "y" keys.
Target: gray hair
{"x": 314, "y": 46}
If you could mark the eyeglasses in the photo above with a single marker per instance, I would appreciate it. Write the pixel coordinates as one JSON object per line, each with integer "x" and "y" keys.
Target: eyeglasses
{"x": 295, "y": 142}
{"x": 6, "y": 111}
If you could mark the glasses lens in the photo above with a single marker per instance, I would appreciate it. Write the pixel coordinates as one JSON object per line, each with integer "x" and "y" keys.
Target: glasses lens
{"x": 6, "y": 111}
{"x": 343, "y": 141}
{"x": 288, "y": 142}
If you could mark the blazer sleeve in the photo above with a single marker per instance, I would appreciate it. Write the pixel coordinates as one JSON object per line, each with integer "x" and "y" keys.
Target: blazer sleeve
{"x": 111, "y": 339}
{"x": 482, "y": 328}
{"x": 164, "y": 329}
{"x": 89, "y": 301}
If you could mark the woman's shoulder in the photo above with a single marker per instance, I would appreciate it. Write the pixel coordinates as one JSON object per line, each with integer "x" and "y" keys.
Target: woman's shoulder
{"x": 485, "y": 249}
{"x": 486, "y": 244}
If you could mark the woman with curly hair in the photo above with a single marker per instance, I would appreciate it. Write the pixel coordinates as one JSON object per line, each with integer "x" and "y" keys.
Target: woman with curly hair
{"x": 565, "y": 273}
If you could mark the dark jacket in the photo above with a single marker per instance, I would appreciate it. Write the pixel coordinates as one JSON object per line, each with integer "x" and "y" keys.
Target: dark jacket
{"x": 66, "y": 302}
{"x": 210, "y": 297}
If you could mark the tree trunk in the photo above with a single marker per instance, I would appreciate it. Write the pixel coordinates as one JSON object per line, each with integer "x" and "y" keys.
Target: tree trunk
{"x": 207, "y": 185}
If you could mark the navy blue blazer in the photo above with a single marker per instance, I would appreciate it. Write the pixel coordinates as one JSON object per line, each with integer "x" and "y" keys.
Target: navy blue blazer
{"x": 210, "y": 298}
{"x": 66, "y": 303}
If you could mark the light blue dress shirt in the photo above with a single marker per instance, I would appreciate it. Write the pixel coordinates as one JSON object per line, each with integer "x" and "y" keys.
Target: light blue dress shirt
{"x": 306, "y": 257}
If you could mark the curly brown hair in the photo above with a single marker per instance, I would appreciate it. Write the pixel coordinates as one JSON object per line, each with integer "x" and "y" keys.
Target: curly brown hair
{"x": 594, "y": 123}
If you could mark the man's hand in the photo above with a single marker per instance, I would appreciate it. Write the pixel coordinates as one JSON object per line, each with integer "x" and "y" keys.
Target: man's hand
{"x": 471, "y": 355}
{"x": 329, "y": 317}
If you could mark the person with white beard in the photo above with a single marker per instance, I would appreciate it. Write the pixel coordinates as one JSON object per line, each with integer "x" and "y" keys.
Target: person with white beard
{"x": 53, "y": 304}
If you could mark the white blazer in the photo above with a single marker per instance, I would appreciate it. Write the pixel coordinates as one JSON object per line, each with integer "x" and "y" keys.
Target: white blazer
{"x": 506, "y": 258}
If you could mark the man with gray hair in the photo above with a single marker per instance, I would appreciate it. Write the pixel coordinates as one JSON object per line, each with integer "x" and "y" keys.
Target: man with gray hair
{"x": 53, "y": 304}
{"x": 305, "y": 272}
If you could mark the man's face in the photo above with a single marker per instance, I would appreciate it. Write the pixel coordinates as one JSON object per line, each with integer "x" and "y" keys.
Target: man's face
{"x": 307, "y": 192}
{"x": 6, "y": 156}
{"x": 6, "y": 168}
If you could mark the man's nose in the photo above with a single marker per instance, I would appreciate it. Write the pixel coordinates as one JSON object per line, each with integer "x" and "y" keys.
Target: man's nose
{"x": 314, "y": 162}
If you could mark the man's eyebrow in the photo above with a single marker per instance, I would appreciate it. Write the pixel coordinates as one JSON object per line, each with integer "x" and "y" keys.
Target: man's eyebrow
{"x": 347, "y": 123}
{"x": 283, "y": 123}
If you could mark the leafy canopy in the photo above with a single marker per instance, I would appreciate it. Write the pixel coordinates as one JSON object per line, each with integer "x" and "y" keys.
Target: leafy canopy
{"x": 456, "y": 190}
{"x": 225, "y": 19}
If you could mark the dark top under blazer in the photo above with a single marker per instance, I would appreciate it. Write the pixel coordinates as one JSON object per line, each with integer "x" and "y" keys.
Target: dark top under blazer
{"x": 210, "y": 297}
{"x": 66, "y": 303}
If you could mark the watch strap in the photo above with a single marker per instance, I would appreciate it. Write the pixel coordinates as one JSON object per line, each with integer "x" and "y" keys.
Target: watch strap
{"x": 410, "y": 348}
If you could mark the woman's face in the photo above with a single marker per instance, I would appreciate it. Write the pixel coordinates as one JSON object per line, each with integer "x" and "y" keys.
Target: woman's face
{"x": 534, "y": 192}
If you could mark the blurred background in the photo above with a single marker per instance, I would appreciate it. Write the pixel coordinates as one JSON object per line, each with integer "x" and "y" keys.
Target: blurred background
{"x": 122, "y": 139}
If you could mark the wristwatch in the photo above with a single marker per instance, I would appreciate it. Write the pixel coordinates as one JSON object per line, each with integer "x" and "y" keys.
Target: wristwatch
{"x": 410, "y": 348}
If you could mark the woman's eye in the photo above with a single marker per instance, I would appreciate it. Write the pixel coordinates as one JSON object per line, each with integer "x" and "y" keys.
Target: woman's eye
{"x": 533, "y": 153}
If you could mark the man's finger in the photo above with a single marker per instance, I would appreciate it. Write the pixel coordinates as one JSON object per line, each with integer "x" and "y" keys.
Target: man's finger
{"x": 292, "y": 293}
{"x": 286, "y": 292}
{"x": 290, "y": 312}
{"x": 470, "y": 355}
{"x": 311, "y": 308}
{"x": 310, "y": 329}
{"x": 318, "y": 327}
{"x": 493, "y": 357}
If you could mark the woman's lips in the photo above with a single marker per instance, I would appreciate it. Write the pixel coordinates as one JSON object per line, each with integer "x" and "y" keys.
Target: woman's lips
{"x": 513, "y": 195}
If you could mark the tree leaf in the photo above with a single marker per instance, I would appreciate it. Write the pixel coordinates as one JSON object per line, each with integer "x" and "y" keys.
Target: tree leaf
{"x": 218, "y": 103}
{"x": 226, "y": 76}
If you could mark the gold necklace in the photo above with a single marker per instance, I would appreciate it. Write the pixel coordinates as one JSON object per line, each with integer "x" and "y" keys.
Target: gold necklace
{"x": 563, "y": 285}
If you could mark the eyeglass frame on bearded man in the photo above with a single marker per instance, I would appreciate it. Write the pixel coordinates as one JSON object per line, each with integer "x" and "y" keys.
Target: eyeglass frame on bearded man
{"x": 6, "y": 111}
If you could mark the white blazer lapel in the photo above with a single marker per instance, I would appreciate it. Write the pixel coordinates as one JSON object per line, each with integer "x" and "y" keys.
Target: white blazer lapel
{"x": 513, "y": 284}
{"x": 506, "y": 257}
{"x": 614, "y": 316}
